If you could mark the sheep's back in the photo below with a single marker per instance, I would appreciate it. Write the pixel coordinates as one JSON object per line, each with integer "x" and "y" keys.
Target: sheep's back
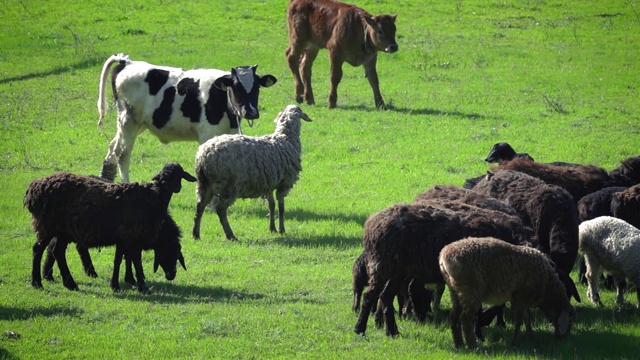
{"x": 248, "y": 167}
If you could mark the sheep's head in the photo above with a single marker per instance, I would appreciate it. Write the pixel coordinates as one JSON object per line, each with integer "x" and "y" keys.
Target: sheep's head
{"x": 171, "y": 176}
{"x": 289, "y": 119}
{"x": 168, "y": 249}
{"x": 564, "y": 322}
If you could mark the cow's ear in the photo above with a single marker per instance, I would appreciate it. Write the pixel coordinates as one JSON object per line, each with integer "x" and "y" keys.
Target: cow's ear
{"x": 370, "y": 21}
{"x": 268, "y": 80}
{"x": 223, "y": 82}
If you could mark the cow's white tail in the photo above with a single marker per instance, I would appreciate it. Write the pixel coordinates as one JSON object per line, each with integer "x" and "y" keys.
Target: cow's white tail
{"x": 102, "y": 102}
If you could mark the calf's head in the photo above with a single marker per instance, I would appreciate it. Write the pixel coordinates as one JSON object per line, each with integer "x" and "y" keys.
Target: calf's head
{"x": 243, "y": 86}
{"x": 382, "y": 32}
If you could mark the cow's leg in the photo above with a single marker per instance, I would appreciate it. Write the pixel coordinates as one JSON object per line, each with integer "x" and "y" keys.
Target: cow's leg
{"x": 120, "y": 148}
{"x": 293, "y": 53}
{"x": 336, "y": 77}
{"x": 306, "y": 66}
{"x": 59, "y": 251}
{"x": 372, "y": 75}
{"x": 272, "y": 209}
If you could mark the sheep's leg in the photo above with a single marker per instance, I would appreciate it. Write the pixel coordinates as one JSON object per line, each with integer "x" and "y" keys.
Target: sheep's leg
{"x": 272, "y": 210}
{"x": 527, "y": 324}
{"x": 87, "y": 264}
{"x": 128, "y": 272}
{"x": 59, "y": 251}
{"x": 620, "y": 288}
{"x": 386, "y": 299}
{"x": 117, "y": 260}
{"x": 454, "y": 319}
{"x": 280, "y": 195}
{"x": 437, "y": 297}
{"x": 222, "y": 214}
{"x": 136, "y": 259}
{"x": 518, "y": 315}
{"x": 205, "y": 196}
{"x": 49, "y": 260}
{"x": 593, "y": 276}
{"x": 370, "y": 298}
{"x": 38, "y": 250}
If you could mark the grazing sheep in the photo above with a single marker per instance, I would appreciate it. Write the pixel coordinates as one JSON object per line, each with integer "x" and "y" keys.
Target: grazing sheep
{"x": 548, "y": 209}
{"x": 578, "y": 180}
{"x": 466, "y": 196}
{"x": 412, "y": 295}
{"x": 591, "y": 206}
{"x": 524, "y": 277}
{"x": 625, "y": 205}
{"x": 628, "y": 173}
{"x": 94, "y": 213}
{"x": 613, "y": 245}
{"x": 229, "y": 167}
{"x": 502, "y": 152}
{"x": 167, "y": 245}
{"x": 405, "y": 240}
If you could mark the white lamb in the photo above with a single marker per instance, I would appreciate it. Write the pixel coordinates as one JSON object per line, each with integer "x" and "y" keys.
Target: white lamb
{"x": 229, "y": 167}
{"x": 612, "y": 245}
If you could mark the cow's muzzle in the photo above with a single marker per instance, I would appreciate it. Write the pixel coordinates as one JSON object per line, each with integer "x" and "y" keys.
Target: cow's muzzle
{"x": 391, "y": 48}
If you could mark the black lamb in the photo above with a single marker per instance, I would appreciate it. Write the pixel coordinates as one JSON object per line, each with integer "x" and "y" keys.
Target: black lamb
{"x": 94, "y": 213}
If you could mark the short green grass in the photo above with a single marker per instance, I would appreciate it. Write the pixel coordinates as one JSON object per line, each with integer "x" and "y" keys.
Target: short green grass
{"x": 557, "y": 79}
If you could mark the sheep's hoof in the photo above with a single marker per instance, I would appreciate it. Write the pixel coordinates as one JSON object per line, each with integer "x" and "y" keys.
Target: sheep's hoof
{"x": 71, "y": 286}
{"x": 49, "y": 278}
{"x": 144, "y": 290}
{"x": 115, "y": 287}
{"x": 37, "y": 284}
{"x": 91, "y": 273}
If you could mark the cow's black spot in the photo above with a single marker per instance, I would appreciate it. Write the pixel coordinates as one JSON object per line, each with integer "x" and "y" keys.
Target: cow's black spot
{"x": 162, "y": 114}
{"x": 191, "y": 107}
{"x": 156, "y": 79}
{"x": 216, "y": 105}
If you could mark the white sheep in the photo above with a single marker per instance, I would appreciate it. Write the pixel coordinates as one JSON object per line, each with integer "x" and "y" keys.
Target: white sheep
{"x": 523, "y": 276}
{"x": 229, "y": 167}
{"x": 613, "y": 245}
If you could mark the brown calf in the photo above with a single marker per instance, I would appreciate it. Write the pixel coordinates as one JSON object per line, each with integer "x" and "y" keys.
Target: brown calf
{"x": 348, "y": 32}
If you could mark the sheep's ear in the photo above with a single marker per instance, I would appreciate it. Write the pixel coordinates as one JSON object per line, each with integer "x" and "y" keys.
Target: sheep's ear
{"x": 188, "y": 177}
{"x": 181, "y": 259}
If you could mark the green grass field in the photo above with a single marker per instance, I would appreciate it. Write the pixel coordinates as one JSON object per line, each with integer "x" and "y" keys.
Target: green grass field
{"x": 556, "y": 79}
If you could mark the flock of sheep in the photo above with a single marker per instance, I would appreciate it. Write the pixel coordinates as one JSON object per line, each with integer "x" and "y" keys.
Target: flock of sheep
{"x": 510, "y": 236}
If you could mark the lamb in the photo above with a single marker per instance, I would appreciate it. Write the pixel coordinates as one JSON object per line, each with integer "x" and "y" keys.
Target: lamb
{"x": 548, "y": 209}
{"x": 405, "y": 240}
{"x": 578, "y": 180}
{"x": 229, "y": 167}
{"x": 613, "y": 245}
{"x": 525, "y": 277}
{"x": 94, "y": 213}
{"x": 167, "y": 245}
{"x": 412, "y": 295}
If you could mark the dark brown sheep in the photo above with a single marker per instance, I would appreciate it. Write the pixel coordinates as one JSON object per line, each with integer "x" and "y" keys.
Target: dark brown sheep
{"x": 625, "y": 205}
{"x": 81, "y": 209}
{"x": 405, "y": 240}
{"x": 628, "y": 173}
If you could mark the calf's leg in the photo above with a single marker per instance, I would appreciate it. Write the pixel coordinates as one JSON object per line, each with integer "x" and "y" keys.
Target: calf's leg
{"x": 306, "y": 66}
{"x": 336, "y": 77}
{"x": 372, "y": 75}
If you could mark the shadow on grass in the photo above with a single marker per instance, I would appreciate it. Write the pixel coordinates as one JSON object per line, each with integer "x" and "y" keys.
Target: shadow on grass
{"x": 93, "y": 61}
{"x": 169, "y": 293}
{"x": 415, "y": 111}
{"x": 337, "y": 242}
{"x": 10, "y": 313}
{"x": 5, "y": 354}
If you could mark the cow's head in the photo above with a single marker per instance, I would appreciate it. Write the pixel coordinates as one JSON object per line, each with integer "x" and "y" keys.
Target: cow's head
{"x": 243, "y": 86}
{"x": 382, "y": 32}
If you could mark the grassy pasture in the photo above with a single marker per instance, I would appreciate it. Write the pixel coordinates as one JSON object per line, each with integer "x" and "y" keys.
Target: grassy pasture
{"x": 557, "y": 79}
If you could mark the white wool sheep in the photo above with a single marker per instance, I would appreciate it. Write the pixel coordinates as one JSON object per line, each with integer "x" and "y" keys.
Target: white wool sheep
{"x": 229, "y": 167}
{"x": 525, "y": 277}
{"x": 613, "y": 245}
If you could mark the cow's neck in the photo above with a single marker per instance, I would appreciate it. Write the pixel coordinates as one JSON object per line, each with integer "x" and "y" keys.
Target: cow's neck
{"x": 232, "y": 105}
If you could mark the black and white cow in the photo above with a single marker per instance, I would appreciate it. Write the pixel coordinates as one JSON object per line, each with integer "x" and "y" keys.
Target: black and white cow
{"x": 174, "y": 104}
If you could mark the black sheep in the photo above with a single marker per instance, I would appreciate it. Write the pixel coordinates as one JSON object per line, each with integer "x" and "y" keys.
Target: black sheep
{"x": 628, "y": 173}
{"x": 502, "y": 152}
{"x": 91, "y": 212}
{"x": 405, "y": 240}
{"x": 625, "y": 205}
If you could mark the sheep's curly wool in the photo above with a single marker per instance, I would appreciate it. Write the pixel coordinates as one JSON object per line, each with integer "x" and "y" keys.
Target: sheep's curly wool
{"x": 230, "y": 167}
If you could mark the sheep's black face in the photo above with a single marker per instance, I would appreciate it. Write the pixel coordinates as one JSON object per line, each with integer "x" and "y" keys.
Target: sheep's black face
{"x": 171, "y": 176}
{"x": 167, "y": 259}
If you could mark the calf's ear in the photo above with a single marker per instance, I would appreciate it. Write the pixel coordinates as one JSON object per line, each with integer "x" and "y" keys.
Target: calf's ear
{"x": 223, "y": 83}
{"x": 268, "y": 80}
